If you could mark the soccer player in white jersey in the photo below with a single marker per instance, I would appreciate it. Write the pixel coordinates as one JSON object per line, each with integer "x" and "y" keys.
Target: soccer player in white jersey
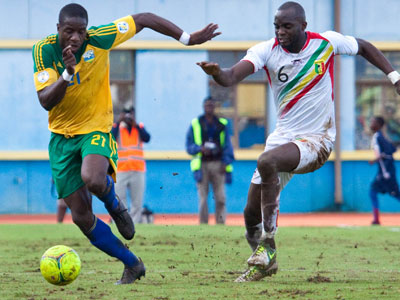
{"x": 299, "y": 67}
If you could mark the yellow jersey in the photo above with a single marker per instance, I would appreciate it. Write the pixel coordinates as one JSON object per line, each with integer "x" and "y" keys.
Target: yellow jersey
{"x": 87, "y": 105}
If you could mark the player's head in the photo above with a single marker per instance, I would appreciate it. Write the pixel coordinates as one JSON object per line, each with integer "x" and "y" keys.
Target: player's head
{"x": 71, "y": 27}
{"x": 209, "y": 105}
{"x": 129, "y": 114}
{"x": 377, "y": 123}
{"x": 290, "y": 24}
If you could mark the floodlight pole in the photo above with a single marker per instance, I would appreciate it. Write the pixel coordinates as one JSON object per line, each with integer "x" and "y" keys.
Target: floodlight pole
{"x": 338, "y": 159}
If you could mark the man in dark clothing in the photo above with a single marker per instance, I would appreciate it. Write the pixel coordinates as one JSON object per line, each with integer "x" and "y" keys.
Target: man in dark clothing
{"x": 385, "y": 180}
{"x": 209, "y": 142}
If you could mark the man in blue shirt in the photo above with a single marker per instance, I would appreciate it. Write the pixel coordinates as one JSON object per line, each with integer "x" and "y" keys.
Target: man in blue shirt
{"x": 385, "y": 180}
{"x": 209, "y": 142}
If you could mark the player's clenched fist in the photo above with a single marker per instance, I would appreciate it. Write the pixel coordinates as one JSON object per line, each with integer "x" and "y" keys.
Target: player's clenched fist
{"x": 69, "y": 59}
{"x": 210, "y": 68}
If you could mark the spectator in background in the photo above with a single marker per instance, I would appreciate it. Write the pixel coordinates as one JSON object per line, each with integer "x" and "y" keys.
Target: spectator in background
{"x": 61, "y": 205}
{"x": 61, "y": 210}
{"x": 385, "y": 180}
{"x": 131, "y": 169}
{"x": 209, "y": 142}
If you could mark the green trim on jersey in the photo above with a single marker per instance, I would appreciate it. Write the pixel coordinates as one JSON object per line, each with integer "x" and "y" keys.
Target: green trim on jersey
{"x": 48, "y": 53}
{"x": 303, "y": 71}
{"x": 102, "y": 36}
{"x": 42, "y": 53}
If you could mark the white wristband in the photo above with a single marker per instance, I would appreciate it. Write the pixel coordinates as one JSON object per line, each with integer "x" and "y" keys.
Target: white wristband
{"x": 394, "y": 76}
{"x": 184, "y": 39}
{"x": 66, "y": 76}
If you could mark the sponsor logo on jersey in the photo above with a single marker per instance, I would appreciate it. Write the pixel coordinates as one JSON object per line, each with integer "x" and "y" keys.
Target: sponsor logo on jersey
{"x": 43, "y": 76}
{"x": 319, "y": 67}
{"x": 123, "y": 27}
{"x": 297, "y": 62}
{"x": 88, "y": 56}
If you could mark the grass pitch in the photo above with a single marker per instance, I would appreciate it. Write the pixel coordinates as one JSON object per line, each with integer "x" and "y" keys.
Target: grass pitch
{"x": 201, "y": 262}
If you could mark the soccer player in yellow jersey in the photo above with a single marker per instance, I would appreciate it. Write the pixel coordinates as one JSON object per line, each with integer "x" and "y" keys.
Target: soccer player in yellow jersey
{"x": 71, "y": 74}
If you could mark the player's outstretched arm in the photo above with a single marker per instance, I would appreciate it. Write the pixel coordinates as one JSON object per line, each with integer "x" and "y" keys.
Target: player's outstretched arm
{"x": 168, "y": 28}
{"x": 376, "y": 57}
{"x": 228, "y": 76}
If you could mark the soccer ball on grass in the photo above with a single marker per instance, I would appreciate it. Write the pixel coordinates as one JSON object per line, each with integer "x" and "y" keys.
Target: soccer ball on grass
{"x": 60, "y": 265}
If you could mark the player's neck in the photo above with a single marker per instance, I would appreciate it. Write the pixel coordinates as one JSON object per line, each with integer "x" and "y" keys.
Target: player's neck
{"x": 298, "y": 44}
{"x": 209, "y": 118}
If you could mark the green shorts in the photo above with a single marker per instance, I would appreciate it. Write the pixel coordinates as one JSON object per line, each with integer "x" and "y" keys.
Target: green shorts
{"x": 66, "y": 156}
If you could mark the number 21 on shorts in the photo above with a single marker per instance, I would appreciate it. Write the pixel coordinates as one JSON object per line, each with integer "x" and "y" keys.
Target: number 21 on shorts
{"x": 98, "y": 140}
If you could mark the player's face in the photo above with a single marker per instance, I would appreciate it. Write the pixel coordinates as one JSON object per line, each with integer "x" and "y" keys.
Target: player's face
{"x": 209, "y": 107}
{"x": 72, "y": 32}
{"x": 129, "y": 117}
{"x": 374, "y": 125}
{"x": 289, "y": 30}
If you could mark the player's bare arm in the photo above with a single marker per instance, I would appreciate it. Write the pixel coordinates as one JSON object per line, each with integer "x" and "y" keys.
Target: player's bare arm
{"x": 227, "y": 76}
{"x": 376, "y": 57}
{"x": 52, "y": 95}
{"x": 163, "y": 26}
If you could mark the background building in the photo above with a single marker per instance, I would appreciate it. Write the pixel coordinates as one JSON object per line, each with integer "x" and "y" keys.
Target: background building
{"x": 161, "y": 78}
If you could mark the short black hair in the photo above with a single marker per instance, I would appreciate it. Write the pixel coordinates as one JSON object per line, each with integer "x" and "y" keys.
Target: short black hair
{"x": 129, "y": 109}
{"x": 209, "y": 98}
{"x": 72, "y": 10}
{"x": 297, "y": 8}
{"x": 380, "y": 120}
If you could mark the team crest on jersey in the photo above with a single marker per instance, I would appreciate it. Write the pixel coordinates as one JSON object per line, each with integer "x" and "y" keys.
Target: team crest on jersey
{"x": 123, "y": 27}
{"x": 88, "y": 56}
{"x": 319, "y": 67}
{"x": 43, "y": 76}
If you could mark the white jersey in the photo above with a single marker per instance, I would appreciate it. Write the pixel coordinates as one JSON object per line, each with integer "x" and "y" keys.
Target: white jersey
{"x": 302, "y": 83}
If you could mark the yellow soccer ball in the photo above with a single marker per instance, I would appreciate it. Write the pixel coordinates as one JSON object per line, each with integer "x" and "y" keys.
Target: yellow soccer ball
{"x": 60, "y": 265}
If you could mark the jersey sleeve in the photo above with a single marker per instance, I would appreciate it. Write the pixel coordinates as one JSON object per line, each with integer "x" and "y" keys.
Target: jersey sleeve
{"x": 44, "y": 70}
{"x": 111, "y": 35}
{"x": 342, "y": 44}
{"x": 259, "y": 54}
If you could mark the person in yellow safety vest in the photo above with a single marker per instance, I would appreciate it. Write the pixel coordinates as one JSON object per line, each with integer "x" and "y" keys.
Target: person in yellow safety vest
{"x": 209, "y": 142}
{"x": 131, "y": 168}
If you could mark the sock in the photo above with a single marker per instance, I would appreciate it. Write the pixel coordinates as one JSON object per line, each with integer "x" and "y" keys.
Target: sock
{"x": 375, "y": 205}
{"x": 102, "y": 238}
{"x": 108, "y": 197}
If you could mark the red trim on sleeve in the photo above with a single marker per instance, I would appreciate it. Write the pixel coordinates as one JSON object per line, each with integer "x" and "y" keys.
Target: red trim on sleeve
{"x": 254, "y": 68}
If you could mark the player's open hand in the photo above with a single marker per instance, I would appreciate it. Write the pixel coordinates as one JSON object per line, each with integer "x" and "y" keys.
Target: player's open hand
{"x": 69, "y": 59}
{"x": 204, "y": 35}
{"x": 210, "y": 68}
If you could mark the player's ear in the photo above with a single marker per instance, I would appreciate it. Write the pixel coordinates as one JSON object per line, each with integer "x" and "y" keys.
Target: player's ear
{"x": 58, "y": 27}
{"x": 304, "y": 25}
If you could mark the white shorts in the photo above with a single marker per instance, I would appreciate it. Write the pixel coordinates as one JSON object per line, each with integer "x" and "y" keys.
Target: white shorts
{"x": 314, "y": 152}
